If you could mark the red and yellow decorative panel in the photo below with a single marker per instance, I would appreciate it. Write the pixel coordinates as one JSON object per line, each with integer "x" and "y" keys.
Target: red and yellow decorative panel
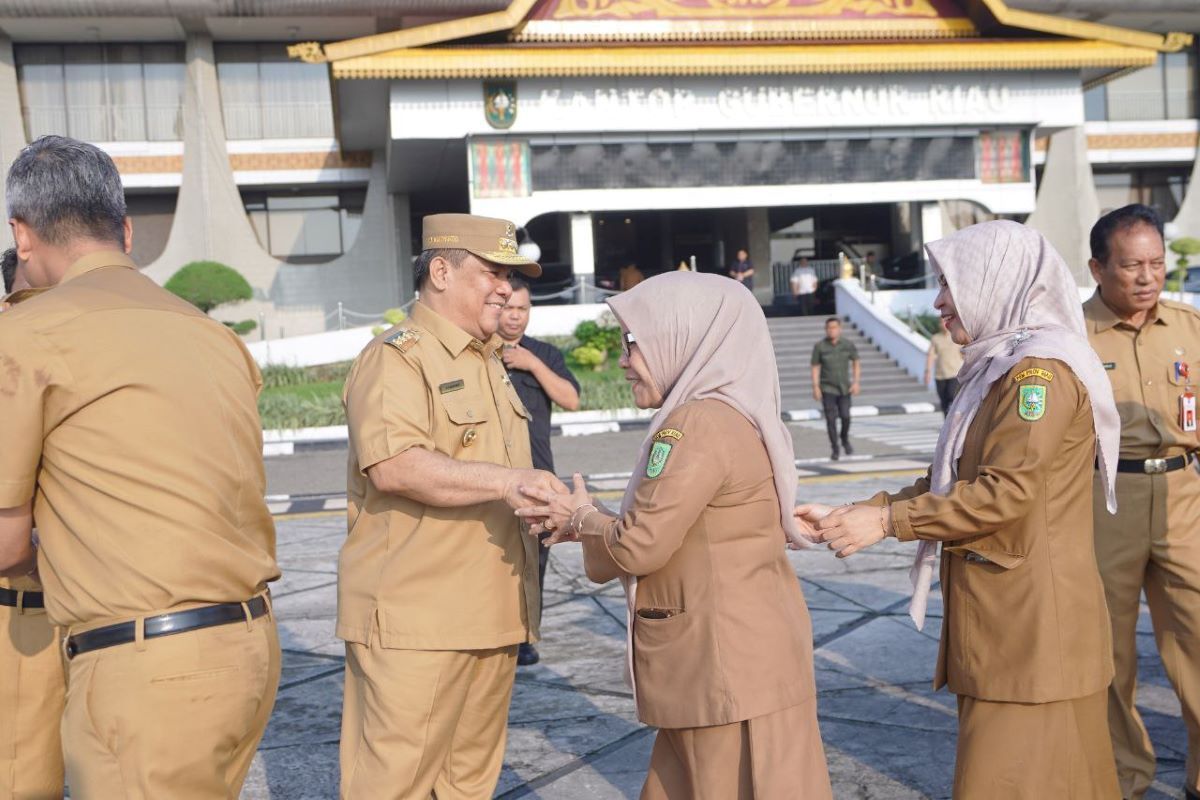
{"x": 558, "y": 20}
{"x": 1002, "y": 157}
{"x": 499, "y": 168}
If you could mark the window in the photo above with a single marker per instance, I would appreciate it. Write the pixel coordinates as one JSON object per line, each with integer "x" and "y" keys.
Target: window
{"x": 1166, "y": 90}
{"x": 264, "y": 95}
{"x": 306, "y": 228}
{"x": 102, "y": 93}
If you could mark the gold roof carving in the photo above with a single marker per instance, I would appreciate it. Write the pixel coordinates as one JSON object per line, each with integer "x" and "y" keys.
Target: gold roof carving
{"x": 500, "y": 61}
{"x": 902, "y": 22}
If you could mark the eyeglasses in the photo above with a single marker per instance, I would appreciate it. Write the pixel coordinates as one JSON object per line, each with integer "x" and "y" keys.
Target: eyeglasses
{"x": 627, "y": 342}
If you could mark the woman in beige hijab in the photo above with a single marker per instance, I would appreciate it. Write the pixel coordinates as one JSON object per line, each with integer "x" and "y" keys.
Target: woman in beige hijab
{"x": 1025, "y": 642}
{"x": 720, "y": 641}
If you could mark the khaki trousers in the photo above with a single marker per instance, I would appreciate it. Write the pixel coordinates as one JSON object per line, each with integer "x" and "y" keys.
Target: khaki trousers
{"x": 1034, "y": 751}
{"x": 776, "y": 756}
{"x": 422, "y": 722}
{"x": 171, "y": 717}
{"x": 1152, "y": 543}
{"x": 32, "y": 688}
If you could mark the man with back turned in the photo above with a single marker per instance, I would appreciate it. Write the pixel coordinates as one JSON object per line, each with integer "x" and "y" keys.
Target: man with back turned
{"x": 132, "y": 435}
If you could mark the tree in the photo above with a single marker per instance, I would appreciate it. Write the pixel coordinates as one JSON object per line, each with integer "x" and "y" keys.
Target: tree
{"x": 208, "y": 284}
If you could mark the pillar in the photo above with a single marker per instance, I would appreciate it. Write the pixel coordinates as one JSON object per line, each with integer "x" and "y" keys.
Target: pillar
{"x": 1188, "y": 218}
{"x": 210, "y": 219}
{"x": 12, "y": 123}
{"x": 583, "y": 251}
{"x": 1067, "y": 205}
{"x": 758, "y": 238}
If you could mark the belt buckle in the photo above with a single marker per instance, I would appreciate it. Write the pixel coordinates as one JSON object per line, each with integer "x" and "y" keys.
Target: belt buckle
{"x": 1155, "y": 466}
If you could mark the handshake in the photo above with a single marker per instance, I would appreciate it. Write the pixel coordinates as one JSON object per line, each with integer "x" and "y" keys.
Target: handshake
{"x": 844, "y": 529}
{"x": 549, "y": 506}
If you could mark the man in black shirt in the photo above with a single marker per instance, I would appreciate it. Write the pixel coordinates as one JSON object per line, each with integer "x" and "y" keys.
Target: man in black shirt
{"x": 540, "y": 376}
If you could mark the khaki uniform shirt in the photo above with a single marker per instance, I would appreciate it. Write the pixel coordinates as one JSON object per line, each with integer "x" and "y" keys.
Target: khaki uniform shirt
{"x": 705, "y": 540}
{"x": 1141, "y": 366}
{"x": 134, "y": 418}
{"x": 434, "y": 578}
{"x": 20, "y": 583}
{"x": 1025, "y": 615}
{"x": 947, "y": 356}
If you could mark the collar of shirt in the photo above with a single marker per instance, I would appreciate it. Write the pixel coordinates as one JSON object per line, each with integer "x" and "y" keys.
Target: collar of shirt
{"x": 1103, "y": 317}
{"x": 95, "y": 261}
{"x": 452, "y": 337}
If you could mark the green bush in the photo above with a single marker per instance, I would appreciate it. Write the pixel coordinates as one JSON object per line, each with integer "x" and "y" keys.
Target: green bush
{"x": 276, "y": 375}
{"x": 1184, "y": 247}
{"x": 394, "y": 316}
{"x": 290, "y": 411}
{"x": 586, "y": 356}
{"x": 208, "y": 284}
{"x": 243, "y": 327}
{"x": 605, "y": 338}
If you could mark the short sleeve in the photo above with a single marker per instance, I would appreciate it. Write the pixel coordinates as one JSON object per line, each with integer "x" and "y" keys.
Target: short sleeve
{"x": 853, "y": 351}
{"x": 387, "y": 406}
{"x": 555, "y": 361}
{"x": 27, "y": 370}
{"x": 816, "y": 355}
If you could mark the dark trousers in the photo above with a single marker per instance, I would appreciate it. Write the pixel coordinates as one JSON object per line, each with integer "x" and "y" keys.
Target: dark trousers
{"x": 805, "y": 301}
{"x": 947, "y": 390}
{"x": 836, "y": 406}
{"x": 543, "y": 559}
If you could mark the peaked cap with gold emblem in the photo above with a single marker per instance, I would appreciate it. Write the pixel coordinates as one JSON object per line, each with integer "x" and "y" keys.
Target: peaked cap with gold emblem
{"x": 493, "y": 240}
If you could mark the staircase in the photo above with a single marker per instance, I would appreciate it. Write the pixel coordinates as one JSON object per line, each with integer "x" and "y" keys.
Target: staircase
{"x": 882, "y": 383}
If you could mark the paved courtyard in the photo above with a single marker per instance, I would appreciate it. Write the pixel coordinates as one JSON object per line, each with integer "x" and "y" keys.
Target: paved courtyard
{"x": 573, "y": 734}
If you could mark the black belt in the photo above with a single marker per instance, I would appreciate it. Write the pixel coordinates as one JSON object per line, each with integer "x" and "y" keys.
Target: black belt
{"x": 31, "y": 599}
{"x": 165, "y": 625}
{"x": 1154, "y": 466}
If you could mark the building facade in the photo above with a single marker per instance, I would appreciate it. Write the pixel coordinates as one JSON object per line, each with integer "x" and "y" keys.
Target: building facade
{"x": 300, "y": 142}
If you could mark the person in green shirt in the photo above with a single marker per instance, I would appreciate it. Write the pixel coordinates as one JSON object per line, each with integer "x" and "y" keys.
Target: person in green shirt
{"x": 833, "y": 361}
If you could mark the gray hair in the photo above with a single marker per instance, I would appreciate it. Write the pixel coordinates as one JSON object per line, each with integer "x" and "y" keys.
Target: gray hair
{"x": 65, "y": 189}
{"x": 454, "y": 255}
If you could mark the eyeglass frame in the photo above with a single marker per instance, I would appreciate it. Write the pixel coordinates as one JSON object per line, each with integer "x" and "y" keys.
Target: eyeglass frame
{"x": 627, "y": 341}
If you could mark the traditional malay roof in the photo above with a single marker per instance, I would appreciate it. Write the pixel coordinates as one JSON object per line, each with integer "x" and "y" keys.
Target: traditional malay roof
{"x": 559, "y": 38}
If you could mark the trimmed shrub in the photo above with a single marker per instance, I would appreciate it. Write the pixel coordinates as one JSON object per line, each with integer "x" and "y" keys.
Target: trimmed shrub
{"x": 208, "y": 284}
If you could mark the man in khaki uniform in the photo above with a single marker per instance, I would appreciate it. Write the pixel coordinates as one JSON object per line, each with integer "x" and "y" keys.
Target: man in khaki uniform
{"x": 1151, "y": 350}
{"x": 437, "y": 584}
{"x": 132, "y": 435}
{"x": 34, "y": 688}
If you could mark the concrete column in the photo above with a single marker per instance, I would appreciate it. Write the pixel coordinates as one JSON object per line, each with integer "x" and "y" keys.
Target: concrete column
{"x": 758, "y": 237}
{"x": 402, "y": 232}
{"x": 1067, "y": 205}
{"x": 583, "y": 245}
{"x": 12, "y": 124}
{"x": 210, "y": 219}
{"x": 1188, "y": 218}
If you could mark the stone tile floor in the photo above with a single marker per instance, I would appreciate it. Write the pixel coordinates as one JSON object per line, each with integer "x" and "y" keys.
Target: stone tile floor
{"x": 573, "y": 734}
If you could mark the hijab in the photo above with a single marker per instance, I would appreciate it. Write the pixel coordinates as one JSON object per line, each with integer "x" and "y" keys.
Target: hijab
{"x": 704, "y": 337}
{"x": 1017, "y": 299}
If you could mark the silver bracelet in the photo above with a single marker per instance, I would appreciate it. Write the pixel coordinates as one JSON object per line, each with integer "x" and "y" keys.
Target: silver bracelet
{"x": 575, "y": 523}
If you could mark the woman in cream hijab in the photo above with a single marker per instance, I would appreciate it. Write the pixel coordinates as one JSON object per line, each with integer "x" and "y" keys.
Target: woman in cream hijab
{"x": 1025, "y": 634}
{"x": 720, "y": 641}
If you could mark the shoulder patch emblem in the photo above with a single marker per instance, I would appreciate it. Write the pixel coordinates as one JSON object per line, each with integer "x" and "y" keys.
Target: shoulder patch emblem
{"x": 1035, "y": 372}
{"x": 1032, "y": 404}
{"x": 658, "y": 459}
{"x": 668, "y": 433}
{"x": 404, "y": 339}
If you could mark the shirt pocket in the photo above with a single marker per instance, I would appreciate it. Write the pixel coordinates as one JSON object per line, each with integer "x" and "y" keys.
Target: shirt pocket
{"x": 464, "y": 408}
{"x": 515, "y": 399}
{"x": 1188, "y": 377}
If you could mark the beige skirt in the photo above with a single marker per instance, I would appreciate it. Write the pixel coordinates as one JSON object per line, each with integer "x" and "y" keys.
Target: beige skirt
{"x": 1031, "y": 751}
{"x": 777, "y": 756}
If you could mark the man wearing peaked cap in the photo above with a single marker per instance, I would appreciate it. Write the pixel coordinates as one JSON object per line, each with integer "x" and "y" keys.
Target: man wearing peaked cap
{"x": 437, "y": 584}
